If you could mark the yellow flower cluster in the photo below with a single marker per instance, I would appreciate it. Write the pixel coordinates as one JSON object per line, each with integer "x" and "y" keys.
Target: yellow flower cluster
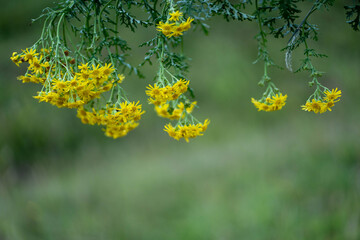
{"x": 274, "y": 103}
{"x": 186, "y": 131}
{"x": 324, "y": 104}
{"x": 118, "y": 120}
{"x": 170, "y": 103}
{"x": 38, "y": 65}
{"x": 174, "y": 113}
{"x": 82, "y": 88}
{"x": 175, "y": 25}
{"x": 159, "y": 95}
{"x": 64, "y": 86}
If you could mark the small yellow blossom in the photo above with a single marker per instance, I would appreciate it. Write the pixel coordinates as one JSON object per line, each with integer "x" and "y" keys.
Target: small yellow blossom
{"x": 315, "y": 106}
{"x": 175, "y": 16}
{"x": 16, "y": 59}
{"x": 165, "y": 28}
{"x": 333, "y": 95}
{"x": 176, "y": 28}
{"x": 121, "y": 78}
{"x": 275, "y": 103}
{"x": 176, "y": 31}
{"x": 187, "y": 25}
{"x": 321, "y": 106}
{"x": 186, "y": 131}
{"x": 163, "y": 110}
{"x": 36, "y": 66}
{"x": 29, "y": 55}
{"x": 191, "y": 107}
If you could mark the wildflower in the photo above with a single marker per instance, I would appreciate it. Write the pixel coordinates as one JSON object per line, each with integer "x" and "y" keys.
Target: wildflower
{"x": 153, "y": 91}
{"x": 273, "y": 103}
{"x": 24, "y": 79}
{"x": 107, "y": 69}
{"x": 205, "y": 125}
{"x": 60, "y": 86}
{"x": 84, "y": 66}
{"x": 84, "y": 74}
{"x": 162, "y": 110}
{"x": 315, "y": 106}
{"x": 36, "y": 66}
{"x": 177, "y": 31}
{"x": 333, "y": 95}
{"x": 96, "y": 72}
{"x": 278, "y": 100}
{"x": 172, "y": 29}
{"x": 181, "y": 86}
{"x": 186, "y": 131}
{"x": 191, "y": 107}
{"x": 121, "y": 78}
{"x": 16, "y": 59}
{"x": 29, "y": 55}
{"x": 156, "y": 102}
{"x": 171, "y": 131}
{"x": 117, "y": 121}
{"x": 175, "y": 16}
{"x": 165, "y": 28}
{"x": 187, "y": 25}
{"x": 265, "y": 107}
{"x": 44, "y": 51}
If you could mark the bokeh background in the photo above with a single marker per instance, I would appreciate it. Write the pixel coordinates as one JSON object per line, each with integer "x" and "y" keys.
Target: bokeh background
{"x": 253, "y": 175}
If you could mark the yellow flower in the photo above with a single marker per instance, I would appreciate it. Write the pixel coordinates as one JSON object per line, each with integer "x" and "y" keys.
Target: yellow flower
{"x": 189, "y": 131}
{"x": 163, "y": 110}
{"x": 177, "y": 31}
{"x": 191, "y": 107}
{"x": 95, "y": 72}
{"x": 205, "y": 125}
{"x": 60, "y": 86}
{"x": 36, "y": 66}
{"x": 256, "y": 103}
{"x": 181, "y": 86}
{"x": 186, "y": 131}
{"x": 107, "y": 87}
{"x": 29, "y": 55}
{"x": 186, "y": 25}
{"x": 45, "y": 51}
{"x": 153, "y": 91}
{"x": 333, "y": 95}
{"x": 165, "y": 28}
{"x": 315, "y": 106}
{"x": 84, "y": 66}
{"x": 265, "y": 107}
{"x": 24, "y": 79}
{"x": 107, "y": 69}
{"x": 278, "y": 100}
{"x": 171, "y": 131}
{"x": 16, "y": 59}
{"x": 175, "y": 16}
{"x": 329, "y": 105}
{"x": 84, "y": 74}
{"x": 121, "y": 78}
{"x": 156, "y": 102}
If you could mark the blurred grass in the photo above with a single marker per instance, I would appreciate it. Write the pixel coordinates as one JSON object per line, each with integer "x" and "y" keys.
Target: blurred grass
{"x": 285, "y": 175}
{"x": 254, "y": 187}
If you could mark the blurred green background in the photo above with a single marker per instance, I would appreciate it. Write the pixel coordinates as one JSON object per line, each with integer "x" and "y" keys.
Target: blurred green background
{"x": 253, "y": 175}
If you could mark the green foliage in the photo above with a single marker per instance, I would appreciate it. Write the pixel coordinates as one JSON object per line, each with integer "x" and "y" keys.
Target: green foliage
{"x": 98, "y": 23}
{"x": 353, "y": 16}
